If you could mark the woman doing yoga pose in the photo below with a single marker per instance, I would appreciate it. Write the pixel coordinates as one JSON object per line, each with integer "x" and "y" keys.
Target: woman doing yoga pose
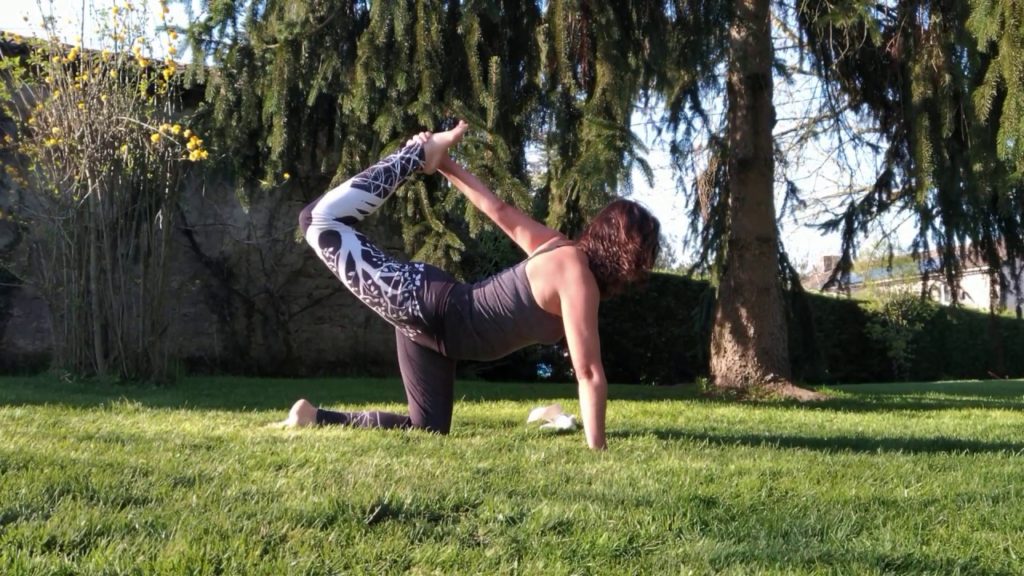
{"x": 554, "y": 293}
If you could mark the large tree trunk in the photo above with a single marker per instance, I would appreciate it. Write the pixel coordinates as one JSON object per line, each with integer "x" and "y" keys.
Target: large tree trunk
{"x": 749, "y": 345}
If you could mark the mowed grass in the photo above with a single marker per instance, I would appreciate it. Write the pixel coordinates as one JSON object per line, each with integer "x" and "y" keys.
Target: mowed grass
{"x": 883, "y": 479}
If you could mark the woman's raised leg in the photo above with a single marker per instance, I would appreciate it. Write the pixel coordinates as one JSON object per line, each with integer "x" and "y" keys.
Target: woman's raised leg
{"x": 384, "y": 284}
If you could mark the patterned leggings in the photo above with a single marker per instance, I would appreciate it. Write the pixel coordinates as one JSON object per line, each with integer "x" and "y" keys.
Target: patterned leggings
{"x": 391, "y": 288}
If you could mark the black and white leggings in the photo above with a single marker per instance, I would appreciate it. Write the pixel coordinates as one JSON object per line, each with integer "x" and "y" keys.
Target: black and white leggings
{"x": 393, "y": 289}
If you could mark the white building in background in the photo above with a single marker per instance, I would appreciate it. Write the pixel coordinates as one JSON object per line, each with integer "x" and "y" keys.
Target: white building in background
{"x": 975, "y": 283}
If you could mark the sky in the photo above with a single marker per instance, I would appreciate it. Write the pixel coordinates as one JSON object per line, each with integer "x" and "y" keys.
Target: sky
{"x": 814, "y": 168}
{"x": 24, "y": 17}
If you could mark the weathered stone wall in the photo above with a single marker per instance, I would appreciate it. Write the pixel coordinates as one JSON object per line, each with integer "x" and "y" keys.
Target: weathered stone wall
{"x": 247, "y": 295}
{"x": 26, "y": 335}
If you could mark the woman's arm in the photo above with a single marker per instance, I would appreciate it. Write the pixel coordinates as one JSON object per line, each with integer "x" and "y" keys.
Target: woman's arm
{"x": 526, "y": 232}
{"x": 580, "y": 300}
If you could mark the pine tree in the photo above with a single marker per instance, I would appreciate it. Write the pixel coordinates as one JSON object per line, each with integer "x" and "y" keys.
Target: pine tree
{"x": 942, "y": 82}
{"x": 325, "y": 87}
{"x": 562, "y": 78}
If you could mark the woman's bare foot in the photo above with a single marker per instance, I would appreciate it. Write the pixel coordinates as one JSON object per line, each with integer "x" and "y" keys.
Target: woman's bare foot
{"x": 303, "y": 413}
{"x": 436, "y": 147}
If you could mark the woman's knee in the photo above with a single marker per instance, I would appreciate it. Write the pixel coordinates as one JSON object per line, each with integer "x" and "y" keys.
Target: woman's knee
{"x": 442, "y": 428}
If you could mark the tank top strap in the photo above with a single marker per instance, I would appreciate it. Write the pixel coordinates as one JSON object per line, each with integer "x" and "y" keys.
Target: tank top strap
{"x": 552, "y": 246}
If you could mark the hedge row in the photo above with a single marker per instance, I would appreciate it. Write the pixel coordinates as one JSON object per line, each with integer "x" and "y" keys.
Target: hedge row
{"x": 661, "y": 333}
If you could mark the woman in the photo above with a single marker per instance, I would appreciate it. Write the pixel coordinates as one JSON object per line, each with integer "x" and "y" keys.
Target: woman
{"x": 552, "y": 294}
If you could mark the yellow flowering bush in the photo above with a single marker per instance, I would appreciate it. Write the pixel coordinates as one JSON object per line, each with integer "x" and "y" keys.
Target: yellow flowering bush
{"x": 103, "y": 98}
{"x": 100, "y": 144}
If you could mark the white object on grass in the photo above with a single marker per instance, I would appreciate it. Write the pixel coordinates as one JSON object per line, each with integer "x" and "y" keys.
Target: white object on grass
{"x": 554, "y": 417}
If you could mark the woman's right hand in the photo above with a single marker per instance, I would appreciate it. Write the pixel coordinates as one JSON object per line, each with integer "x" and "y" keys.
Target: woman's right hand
{"x": 420, "y": 138}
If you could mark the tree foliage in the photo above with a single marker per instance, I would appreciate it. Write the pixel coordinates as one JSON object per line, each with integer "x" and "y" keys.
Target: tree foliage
{"x": 551, "y": 88}
{"x": 942, "y": 82}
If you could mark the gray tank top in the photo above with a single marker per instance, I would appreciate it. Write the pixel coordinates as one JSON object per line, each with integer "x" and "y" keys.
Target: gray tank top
{"x": 497, "y": 316}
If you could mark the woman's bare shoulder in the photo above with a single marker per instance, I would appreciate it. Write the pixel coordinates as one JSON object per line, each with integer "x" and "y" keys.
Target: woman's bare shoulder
{"x": 569, "y": 268}
{"x": 550, "y": 244}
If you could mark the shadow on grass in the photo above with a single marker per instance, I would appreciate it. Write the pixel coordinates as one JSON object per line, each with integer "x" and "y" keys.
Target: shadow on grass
{"x": 248, "y": 394}
{"x": 227, "y": 394}
{"x": 926, "y": 396}
{"x": 832, "y": 444}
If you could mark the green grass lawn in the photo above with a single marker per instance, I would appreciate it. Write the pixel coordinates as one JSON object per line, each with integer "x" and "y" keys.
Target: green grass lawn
{"x": 903, "y": 478}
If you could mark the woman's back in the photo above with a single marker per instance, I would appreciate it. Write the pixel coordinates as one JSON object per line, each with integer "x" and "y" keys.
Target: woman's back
{"x": 496, "y": 316}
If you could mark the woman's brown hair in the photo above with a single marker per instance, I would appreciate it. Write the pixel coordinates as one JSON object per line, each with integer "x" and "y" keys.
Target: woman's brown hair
{"x": 621, "y": 243}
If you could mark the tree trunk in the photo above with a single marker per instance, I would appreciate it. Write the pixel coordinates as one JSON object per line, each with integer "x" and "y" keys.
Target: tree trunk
{"x": 749, "y": 345}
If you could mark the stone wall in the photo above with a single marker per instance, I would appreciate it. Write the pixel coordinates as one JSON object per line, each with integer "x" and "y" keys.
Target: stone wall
{"x": 26, "y": 335}
{"x": 247, "y": 296}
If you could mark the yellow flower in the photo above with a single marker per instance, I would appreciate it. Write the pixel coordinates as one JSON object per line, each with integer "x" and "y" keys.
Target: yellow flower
{"x": 176, "y": 129}
{"x": 188, "y": 134}
{"x": 81, "y": 105}
{"x": 287, "y": 176}
{"x": 155, "y": 137}
{"x": 55, "y": 131}
{"x": 123, "y": 149}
